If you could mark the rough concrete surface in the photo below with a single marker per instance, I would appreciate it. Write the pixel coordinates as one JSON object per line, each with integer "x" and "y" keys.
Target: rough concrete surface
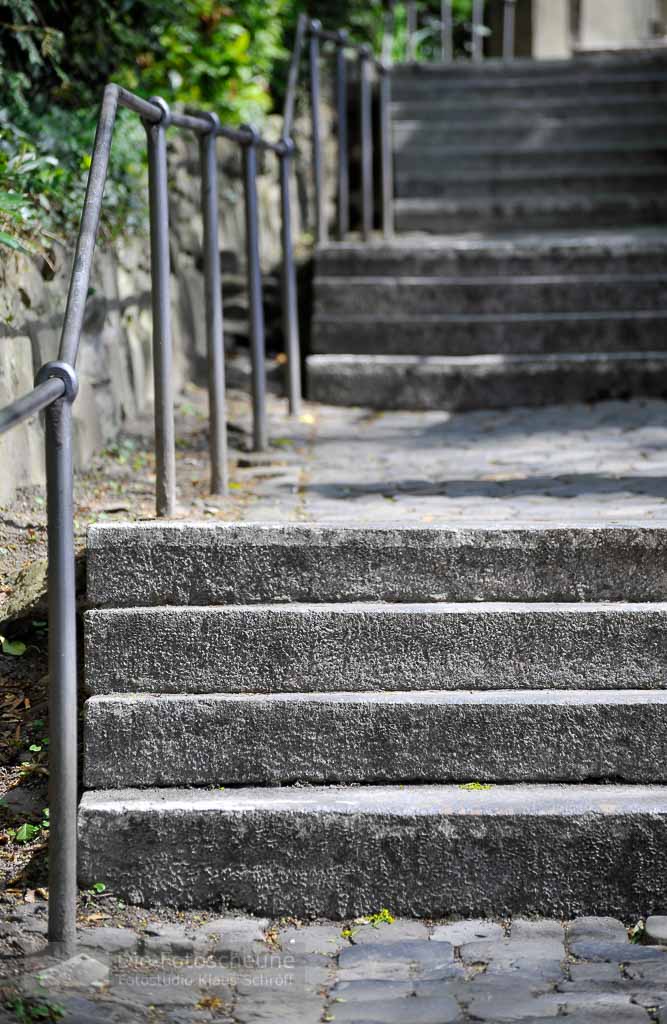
{"x": 422, "y": 850}
{"x": 507, "y": 736}
{"x": 327, "y": 647}
{"x": 464, "y": 383}
{"x": 134, "y": 564}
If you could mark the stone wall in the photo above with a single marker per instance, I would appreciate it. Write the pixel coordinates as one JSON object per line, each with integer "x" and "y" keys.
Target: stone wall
{"x": 115, "y": 357}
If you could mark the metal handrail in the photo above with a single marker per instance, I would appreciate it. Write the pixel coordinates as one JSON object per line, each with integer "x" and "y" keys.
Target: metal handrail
{"x": 56, "y": 383}
{"x": 477, "y": 29}
{"x": 56, "y": 388}
{"x": 310, "y": 31}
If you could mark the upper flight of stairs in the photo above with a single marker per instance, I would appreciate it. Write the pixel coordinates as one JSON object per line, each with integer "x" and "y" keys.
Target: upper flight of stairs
{"x": 287, "y": 719}
{"x": 534, "y": 145}
{"x": 539, "y": 274}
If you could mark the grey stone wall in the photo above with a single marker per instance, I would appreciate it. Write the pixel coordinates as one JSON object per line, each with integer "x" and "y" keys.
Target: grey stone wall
{"x": 115, "y": 357}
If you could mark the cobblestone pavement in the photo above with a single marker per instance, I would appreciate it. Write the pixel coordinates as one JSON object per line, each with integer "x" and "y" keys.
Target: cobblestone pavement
{"x": 574, "y": 463}
{"x": 410, "y": 972}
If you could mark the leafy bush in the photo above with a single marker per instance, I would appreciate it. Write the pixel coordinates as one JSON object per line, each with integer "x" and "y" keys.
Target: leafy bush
{"x": 57, "y": 55}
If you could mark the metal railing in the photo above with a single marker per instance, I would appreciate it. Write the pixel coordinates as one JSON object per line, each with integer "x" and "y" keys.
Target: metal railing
{"x": 444, "y": 26}
{"x": 56, "y": 383}
{"x": 368, "y": 66}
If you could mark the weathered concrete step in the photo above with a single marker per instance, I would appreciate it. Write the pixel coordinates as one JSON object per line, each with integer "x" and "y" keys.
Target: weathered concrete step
{"x": 176, "y": 563}
{"x": 636, "y": 170}
{"x": 344, "y": 647}
{"x": 483, "y": 382}
{"x": 607, "y": 65}
{"x": 423, "y": 736}
{"x": 427, "y": 851}
{"x": 642, "y": 85}
{"x": 499, "y": 158}
{"x": 493, "y": 334}
{"x": 639, "y": 251}
{"x": 526, "y": 213}
{"x": 405, "y": 296}
{"x": 436, "y": 140}
{"x": 428, "y": 106}
{"x": 460, "y": 183}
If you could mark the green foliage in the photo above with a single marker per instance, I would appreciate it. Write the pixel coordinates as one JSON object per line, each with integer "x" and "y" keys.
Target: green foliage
{"x": 15, "y": 648}
{"x": 57, "y": 55}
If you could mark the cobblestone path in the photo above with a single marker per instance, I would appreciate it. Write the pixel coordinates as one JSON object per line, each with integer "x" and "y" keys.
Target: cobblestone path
{"x": 246, "y": 970}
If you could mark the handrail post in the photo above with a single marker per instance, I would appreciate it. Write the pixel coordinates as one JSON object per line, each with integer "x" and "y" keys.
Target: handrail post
{"x": 165, "y": 449}
{"x": 318, "y": 166}
{"x": 288, "y": 283}
{"x": 509, "y": 30}
{"x": 411, "y": 14}
{"x": 63, "y": 697}
{"x": 446, "y": 31}
{"x": 477, "y": 30}
{"x": 254, "y": 276}
{"x": 215, "y": 343}
{"x": 386, "y": 152}
{"x": 343, "y": 163}
{"x": 366, "y": 143}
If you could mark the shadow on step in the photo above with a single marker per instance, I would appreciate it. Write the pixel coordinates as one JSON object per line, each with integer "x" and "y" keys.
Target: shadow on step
{"x": 570, "y": 486}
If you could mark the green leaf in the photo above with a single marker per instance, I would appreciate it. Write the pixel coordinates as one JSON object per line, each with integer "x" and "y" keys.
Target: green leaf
{"x": 27, "y": 833}
{"x": 13, "y": 243}
{"x": 13, "y": 647}
{"x": 35, "y": 748}
{"x": 98, "y": 887}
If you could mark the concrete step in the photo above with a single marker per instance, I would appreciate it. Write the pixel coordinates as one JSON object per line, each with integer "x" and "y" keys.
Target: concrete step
{"x": 497, "y": 159}
{"x": 630, "y": 251}
{"x": 439, "y": 105}
{"x": 405, "y": 296}
{"x": 177, "y": 563}
{"x": 492, "y": 334}
{"x": 338, "y": 647}
{"x": 460, "y": 175}
{"x": 425, "y": 851}
{"x": 639, "y": 62}
{"x": 434, "y": 141}
{"x": 350, "y": 738}
{"x": 459, "y": 183}
{"x": 473, "y": 89}
{"x": 451, "y": 383}
{"x": 529, "y": 213}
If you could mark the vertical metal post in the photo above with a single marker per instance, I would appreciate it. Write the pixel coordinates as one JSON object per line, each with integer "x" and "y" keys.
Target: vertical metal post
{"x": 411, "y": 14}
{"x": 254, "y": 275}
{"x": 63, "y": 706}
{"x": 165, "y": 451}
{"x": 318, "y": 165}
{"x": 288, "y": 282}
{"x": 387, "y": 156}
{"x": 509, "y": 29}
{"x": 446, "y": 31}
{"x": 343, "y": 163}
{"x": 215, "y": 344}
{"x": 477, "y": 29}
{"x": 366, "y": 143}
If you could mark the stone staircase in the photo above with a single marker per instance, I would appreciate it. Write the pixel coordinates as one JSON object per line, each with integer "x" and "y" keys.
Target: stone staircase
{"x": 539, "y": 273}
{"x": 309, "y": 720}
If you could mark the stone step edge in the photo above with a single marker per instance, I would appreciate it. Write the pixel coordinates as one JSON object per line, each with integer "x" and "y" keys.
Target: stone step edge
{"x": 484, "y": 362}
{"x": 484, "y": 280}
{"x": 603, "y": 316}
{"x": 100, "y": 703}
{"x": 397, "y": 608}
{"x": 530, "y": 799}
